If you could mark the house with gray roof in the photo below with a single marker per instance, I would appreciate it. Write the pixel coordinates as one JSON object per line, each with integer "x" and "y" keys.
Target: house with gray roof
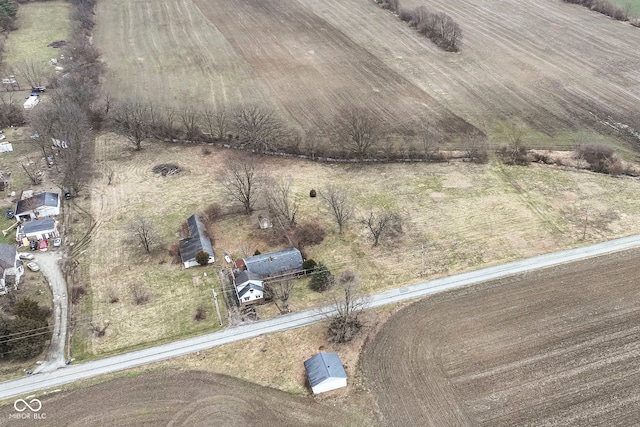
{"x": 38, "y": 206}
{"x": 249, "y": 288}
{"x": 11, "y": 268}
{"x": 37, "y": 229}
{"x": 197, "y": 241}
{"x": 274, "y": 263}
{"x": 325, "y": 372}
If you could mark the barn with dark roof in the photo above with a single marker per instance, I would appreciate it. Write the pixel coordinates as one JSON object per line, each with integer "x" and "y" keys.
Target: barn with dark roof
{"x": 197, "y": 241}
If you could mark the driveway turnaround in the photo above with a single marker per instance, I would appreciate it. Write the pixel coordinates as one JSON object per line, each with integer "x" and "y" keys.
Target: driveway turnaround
{"x": 71, "y": 373}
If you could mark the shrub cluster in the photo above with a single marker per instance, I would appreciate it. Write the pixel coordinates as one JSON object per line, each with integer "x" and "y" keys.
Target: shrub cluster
{"x": 600, "y": 158}
{"x": 321, "y": 279}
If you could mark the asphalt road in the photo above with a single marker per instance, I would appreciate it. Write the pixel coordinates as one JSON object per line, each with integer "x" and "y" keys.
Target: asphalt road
{"x": 71, "y": 373}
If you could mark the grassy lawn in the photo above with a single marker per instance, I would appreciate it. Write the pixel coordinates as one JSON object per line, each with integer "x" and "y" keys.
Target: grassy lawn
{"x": 39, "y": 23}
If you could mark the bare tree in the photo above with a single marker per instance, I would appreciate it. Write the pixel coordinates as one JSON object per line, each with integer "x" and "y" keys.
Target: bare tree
{"x": 189, "y": 120}
{"x": 475, "y": 145}
{"x": 216, "y": 122}
{"x": 339, "y": 204}
{"x": 279, "y": 203}
{"x": 72, "y": 130}
{"x": 35, "y": 175}
{"x": 429, "y": 140}
{"x": 260, "y": 128}
{"x": 358, "y": 131}
{"x": 348, "y": 305}
{"x": 140, "y": 294}
{"x": 280, "y": 292}
{"x": 35, "y": 73}
{"x": 145, "y": 233}
{"x": 11, "y": 110}
{"x": 382, "y": 224}
{"x": 133, "y": 118}
{"x": 241, "y": 181}
{"x": 312, "y": 142}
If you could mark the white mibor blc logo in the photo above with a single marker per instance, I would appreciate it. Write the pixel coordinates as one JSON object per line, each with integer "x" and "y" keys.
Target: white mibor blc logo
{"x": 22, "y": 405}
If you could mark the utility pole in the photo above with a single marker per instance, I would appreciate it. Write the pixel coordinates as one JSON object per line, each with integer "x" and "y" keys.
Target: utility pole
{"x": 215, "y": 300}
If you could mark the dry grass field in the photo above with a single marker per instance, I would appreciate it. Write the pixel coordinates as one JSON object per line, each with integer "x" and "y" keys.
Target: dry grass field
{"x": 553, "y": 347}
{"x": 38, "y": 25}
{"x": 465, "y": 215}
{"x": 184, "y": 398}
{"x": 552, "y": 68}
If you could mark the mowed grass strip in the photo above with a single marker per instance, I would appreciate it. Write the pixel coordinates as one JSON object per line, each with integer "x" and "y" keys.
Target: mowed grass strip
{"x": 462, "y": 216}
{"x": 39, "y": 23}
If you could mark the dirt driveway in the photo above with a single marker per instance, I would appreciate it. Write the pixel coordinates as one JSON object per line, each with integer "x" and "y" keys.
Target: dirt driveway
{"x": 49, "y": 263}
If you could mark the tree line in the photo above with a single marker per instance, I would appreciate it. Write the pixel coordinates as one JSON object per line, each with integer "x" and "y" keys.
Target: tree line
{"x": 439, "y": 27}
{"x": 356, "y": 133}
{"x": 619, "y": 13}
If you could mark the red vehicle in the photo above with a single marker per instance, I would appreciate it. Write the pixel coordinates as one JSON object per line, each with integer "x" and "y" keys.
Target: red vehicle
{"x": 44, "y": 244}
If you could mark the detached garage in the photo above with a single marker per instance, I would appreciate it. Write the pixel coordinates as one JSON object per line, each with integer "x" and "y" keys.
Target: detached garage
{"x": 325, "y": 372}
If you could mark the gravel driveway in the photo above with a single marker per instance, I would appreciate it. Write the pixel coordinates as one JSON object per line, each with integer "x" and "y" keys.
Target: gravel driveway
{"x": 49, "y": 263}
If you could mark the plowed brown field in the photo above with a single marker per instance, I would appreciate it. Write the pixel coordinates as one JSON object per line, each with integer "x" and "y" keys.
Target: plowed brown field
{"x": 182, "y": 398}
{"x": 555, "y": 347}
{"x": 554, "y": 67}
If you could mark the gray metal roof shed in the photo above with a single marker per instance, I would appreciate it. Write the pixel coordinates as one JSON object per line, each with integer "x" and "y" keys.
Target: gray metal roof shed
{"x": 275, "y": 263}
{"x": 325, "y": 372}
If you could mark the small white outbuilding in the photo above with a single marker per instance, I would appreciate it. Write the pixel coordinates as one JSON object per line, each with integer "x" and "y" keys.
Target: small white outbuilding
{"x": 325, "y": 372}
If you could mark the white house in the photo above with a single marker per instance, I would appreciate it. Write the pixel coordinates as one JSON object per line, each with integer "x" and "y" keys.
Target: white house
{"x": 10, "y": 268}
{"x": 325, "y": 372}
{"x": 38, "y": 206}
{"x": 197, "y": 241}
{"x": 249, "y": 288}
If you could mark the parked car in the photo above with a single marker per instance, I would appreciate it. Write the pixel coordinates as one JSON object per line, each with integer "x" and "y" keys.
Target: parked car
{"x": 33, "y": 245}
{"x": 2, "y": 136}
{"x": 35, "y": 135}
{"x": 57, "y": 242}
{"x": 10, "y": 213}
{"x": 44, "y": 245}
{"x": 33, "y": 266}
{"x": 26, "y": 256}
{"x": 38, "y": 89}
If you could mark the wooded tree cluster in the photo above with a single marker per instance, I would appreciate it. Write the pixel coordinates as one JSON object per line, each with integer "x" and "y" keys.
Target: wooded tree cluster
{"x": 23, "y": 335}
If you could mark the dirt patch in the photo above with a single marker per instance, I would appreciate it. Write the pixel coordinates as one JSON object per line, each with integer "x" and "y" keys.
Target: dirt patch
{"x": 553, "y": 347}
{"x": 184, "y": 398}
